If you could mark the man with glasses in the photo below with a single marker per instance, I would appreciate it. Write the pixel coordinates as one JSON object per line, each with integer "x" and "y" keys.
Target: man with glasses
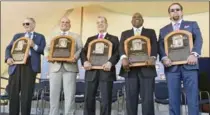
{"x": 22, "y": 76}
{"x": 63, "y": 74}
{"x": 188, "y": 73}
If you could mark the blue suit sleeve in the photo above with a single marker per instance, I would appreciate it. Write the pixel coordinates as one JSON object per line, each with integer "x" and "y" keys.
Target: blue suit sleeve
{"x": 197, "y": 39}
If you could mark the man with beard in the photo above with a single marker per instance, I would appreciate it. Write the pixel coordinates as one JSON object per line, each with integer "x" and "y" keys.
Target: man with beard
{"x": 139, "y": 79}
{"x": 188, "y": 73}
{"x": 103, "y": 78}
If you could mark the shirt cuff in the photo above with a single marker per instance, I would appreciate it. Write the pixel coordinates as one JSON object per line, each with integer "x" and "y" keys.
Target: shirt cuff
{"x": 35, "y": 47}
{"x": 153, "y": 57}
{"x": 123, "y": 56}
{"x": 195, "y": 54}
{"x": 163, "y": 58}
{"x": 109, "y": 63}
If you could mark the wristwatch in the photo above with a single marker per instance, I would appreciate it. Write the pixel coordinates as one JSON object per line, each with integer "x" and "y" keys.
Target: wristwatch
{"x": 195, "y": 54}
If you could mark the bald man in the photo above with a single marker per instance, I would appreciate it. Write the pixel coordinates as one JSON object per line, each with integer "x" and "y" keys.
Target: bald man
{"x": 63, "y": 74}
{"x": 22, "y": 76}
{"x": 139, "y": 79}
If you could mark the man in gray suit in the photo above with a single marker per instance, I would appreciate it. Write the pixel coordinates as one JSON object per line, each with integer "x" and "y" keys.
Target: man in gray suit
{"x": 64, "y": 73}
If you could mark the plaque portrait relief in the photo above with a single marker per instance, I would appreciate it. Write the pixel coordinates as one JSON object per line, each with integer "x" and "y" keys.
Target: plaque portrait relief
{"x": 62, "y": 48}
{"x": 137, "y": 44}
{"x": 20, "y": 45}
{"x": 62, "y": 43}
{"x": 20, "y": 50}
{"x": 99, "y": 48}
{"x": 99, "y": 52}
{"x": 178, "y": 46}
{"x": 137, "y": 49}
{"x": 178, "y": 41}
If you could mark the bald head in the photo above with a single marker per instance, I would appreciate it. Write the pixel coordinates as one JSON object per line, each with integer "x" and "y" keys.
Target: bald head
{"x": 65, "y": 24}
{"x": 137, "y": 20}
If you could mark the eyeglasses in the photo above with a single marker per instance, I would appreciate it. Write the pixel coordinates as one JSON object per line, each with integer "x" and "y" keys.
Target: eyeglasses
{"x": 27, "y": 24}
{"x": 173, "y": 10}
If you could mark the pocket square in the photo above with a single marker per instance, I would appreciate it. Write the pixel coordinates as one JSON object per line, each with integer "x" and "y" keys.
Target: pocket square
{"x": 186, "y": 26}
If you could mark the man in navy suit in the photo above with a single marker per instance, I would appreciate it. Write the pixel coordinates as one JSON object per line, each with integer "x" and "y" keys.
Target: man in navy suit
{"x": 22, "y": 76}
{"x": 188, "y": 73}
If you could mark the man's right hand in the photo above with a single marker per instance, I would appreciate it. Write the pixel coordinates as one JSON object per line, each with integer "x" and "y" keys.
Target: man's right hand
{"x": 87, "y": 65}
{"x": 125, "y": 64}
{"x": 167, "y": 62}
{"x": 10, "y": 61}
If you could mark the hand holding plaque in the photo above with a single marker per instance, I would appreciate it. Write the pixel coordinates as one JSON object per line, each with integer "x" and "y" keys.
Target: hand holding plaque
{"x": 150, "y": 61}
{"x": 62, "y": 49}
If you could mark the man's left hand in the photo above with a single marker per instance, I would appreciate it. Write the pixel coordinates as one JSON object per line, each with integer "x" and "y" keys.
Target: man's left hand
{"x": 151, "y": 61}
{"x": 107, "y": 66}
{"x": 31, "y": 42}
{"x": 192, "y": 60}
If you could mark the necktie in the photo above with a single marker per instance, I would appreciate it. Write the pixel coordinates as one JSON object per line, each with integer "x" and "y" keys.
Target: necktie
{"x": 137, "y": 31}
{"x": 29, "y": 35}
{"x": 176, "y": 26}
{"x": 101, "y": 36}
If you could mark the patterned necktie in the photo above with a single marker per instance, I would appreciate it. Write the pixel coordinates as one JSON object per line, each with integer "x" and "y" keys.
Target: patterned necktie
{"x": 101, "y": 36}
{"x": 176, "y": 26}
{"x": 137, "y": 31}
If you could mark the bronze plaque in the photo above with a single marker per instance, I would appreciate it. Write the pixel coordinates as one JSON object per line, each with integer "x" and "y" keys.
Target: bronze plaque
{"x": 178, "y": 46}
{"x": 20, "y": 50}
{"x": 137, "y": 49}
{"x": 99, "y": 52}
{"x": 62, "y": 48}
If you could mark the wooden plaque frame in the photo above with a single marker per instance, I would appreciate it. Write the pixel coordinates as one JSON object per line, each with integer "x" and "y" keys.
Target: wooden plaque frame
{"x": 26, "y": 47}
{"x": 71, "y": 51}
{"x": 90, "y": 46}
{"x": 148, "y": 48}
{"x": 178, "y": 32}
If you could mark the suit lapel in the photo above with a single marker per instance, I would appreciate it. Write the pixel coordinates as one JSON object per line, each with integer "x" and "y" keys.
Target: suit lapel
{"x": 107, "y": 36}
{"x": 182, "y": 25}
{"x": 34, "y": 36}
{"x": 131, "y": 32}
{"x": 170, "y": 28}
{"x": 143, "y": 32}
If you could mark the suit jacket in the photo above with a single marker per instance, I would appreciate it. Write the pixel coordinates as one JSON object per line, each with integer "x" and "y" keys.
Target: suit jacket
{"x": 71, "y": 67}
{"x": 103, "y": 75}
{"x": 190, "y": 26}
{"x": 146, "y": 71}
{"x": 39, "y": 40}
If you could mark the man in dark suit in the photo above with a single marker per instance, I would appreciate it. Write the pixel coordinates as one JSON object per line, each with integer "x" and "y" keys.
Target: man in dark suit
{"x": 22, "y": 76}
{"x": 105, "y": 77}
{"x": 139, "y": 79}
{"x": 188, "y": 73}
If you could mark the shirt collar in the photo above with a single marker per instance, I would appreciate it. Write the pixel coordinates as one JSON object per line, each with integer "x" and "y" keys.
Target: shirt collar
{"x": 104, "y": 34}
{"x": 173, "y": 22}
{"x": 66, "y": 32}
{"x": 140, "y": 28}
{"x": 30, "y": 32}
